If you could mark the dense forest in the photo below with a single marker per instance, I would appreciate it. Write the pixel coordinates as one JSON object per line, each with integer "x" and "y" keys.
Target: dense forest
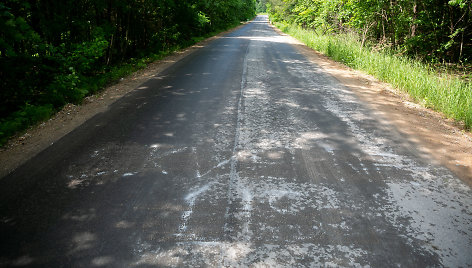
{"x": 431, "y": 30}
{"x": 52, "y": 52}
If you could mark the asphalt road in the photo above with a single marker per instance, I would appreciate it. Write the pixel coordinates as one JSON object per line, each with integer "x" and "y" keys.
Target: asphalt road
{"x": 242, "y": 154}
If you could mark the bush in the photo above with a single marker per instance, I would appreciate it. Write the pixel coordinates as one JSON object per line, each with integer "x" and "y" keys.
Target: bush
{"x": 22, "y": 119}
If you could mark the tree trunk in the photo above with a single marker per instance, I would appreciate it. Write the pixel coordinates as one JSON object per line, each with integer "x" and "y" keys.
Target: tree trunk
{"x": 413, "y": 23}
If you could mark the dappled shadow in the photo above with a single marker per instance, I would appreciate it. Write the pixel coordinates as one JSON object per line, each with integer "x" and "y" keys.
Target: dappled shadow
{"x": 118, "y": 179}
{"x": 242, "y": 153}
{"x": 434, "y": 137}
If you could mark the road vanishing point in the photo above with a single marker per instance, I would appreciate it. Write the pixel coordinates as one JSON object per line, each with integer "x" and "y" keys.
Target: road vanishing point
{"x": 242, "y": 154}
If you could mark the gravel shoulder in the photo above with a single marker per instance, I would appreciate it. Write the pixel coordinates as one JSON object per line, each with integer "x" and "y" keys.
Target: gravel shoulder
{"x": 441, "y": 138}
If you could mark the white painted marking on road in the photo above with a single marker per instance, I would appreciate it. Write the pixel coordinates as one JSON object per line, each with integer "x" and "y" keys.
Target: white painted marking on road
{"x": 237, "y": 189}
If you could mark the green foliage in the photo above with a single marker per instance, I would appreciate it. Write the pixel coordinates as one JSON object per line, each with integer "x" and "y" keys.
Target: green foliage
{"x": 84, "y": 56}
{"x": 15, "y": 33}
{"x": 63, "y": 89}
{"x": 453, "y": 97}
{"x": 261, "y": 6}
{"x": 22, "y": 119}
{"x": 56, "y": 52}
{"x": 434, "y": 30}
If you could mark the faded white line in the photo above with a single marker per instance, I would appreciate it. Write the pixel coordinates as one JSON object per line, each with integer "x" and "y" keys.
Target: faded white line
{"x": 190, "y": 199}
{"x": 236, "y": 188}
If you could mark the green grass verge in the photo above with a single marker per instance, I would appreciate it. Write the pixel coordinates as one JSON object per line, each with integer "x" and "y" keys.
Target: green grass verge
{"x": 31, "y": 115}
{"x": 451, "y": 96}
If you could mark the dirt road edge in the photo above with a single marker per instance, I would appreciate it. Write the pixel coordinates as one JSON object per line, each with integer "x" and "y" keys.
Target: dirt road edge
{"x": 443, "y": 139}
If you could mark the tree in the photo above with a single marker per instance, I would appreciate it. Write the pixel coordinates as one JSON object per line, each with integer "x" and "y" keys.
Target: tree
{"x": 49, "y": 48}
{"x": 435, "y": 30}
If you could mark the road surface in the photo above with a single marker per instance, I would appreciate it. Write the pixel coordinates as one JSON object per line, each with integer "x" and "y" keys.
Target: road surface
{"x": 242, "y": 154}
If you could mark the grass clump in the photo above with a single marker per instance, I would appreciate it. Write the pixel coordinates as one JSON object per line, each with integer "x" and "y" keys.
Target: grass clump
{"x": 451, "y": 96}
{"x": 22, "y": 119}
